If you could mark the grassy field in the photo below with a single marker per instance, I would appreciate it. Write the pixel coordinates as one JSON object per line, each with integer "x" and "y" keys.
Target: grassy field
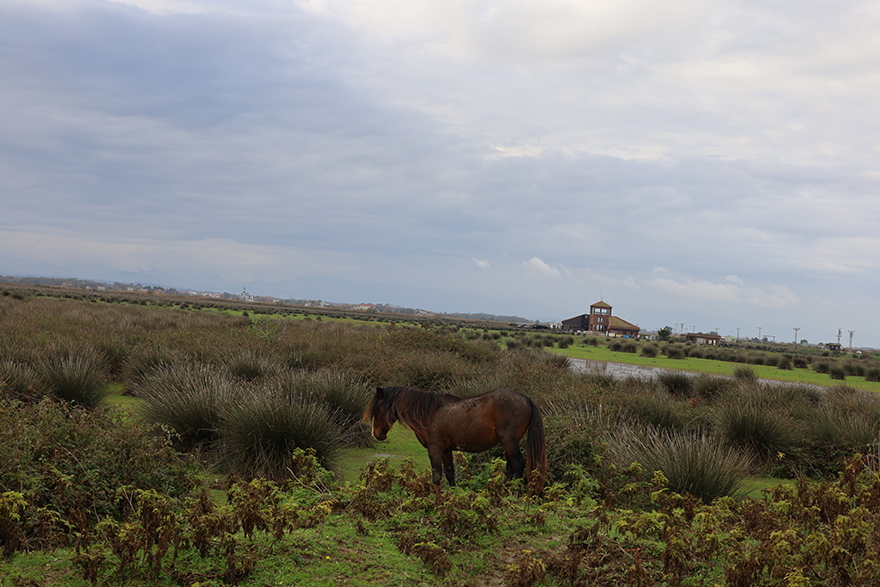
{"x": 93, "y": 492}
{"x": 602, "y": 353}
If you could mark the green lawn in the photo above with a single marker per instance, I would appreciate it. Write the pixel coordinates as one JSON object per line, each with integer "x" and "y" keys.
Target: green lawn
{"x": 603, "y": 354}
{"x": 401, "y": 444}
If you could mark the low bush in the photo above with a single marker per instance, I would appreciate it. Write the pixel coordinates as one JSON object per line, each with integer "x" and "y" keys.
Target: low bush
{"x": 70, "y": 462}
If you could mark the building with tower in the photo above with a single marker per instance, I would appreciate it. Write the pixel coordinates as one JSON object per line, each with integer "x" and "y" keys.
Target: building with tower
{"x": 600, "y": 320}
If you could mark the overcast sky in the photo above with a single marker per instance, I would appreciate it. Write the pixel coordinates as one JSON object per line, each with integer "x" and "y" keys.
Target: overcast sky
{"x": 708, "y": 163}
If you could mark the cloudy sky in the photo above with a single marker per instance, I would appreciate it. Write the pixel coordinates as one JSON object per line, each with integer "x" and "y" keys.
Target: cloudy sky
{"x": 707, "y": 163}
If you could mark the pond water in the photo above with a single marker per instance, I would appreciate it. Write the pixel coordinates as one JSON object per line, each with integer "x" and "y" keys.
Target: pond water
{"x": 616, "y": 369}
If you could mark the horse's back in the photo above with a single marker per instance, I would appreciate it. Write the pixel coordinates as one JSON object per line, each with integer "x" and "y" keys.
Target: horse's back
{"x": 479, "y": 422}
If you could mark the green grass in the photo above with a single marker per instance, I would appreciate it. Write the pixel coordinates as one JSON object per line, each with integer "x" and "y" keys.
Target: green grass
{"x": 754, "y": 487}
{"x": 603, "y": 354}
{"x": 401, "y": 444}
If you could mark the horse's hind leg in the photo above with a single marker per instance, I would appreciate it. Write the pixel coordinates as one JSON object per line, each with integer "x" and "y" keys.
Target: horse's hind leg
{"x": 516, "y": 464}
{"x": 449, "y": 466}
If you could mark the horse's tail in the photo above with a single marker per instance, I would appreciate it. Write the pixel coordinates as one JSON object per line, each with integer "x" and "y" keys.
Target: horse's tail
{"x": 536, "y": 451}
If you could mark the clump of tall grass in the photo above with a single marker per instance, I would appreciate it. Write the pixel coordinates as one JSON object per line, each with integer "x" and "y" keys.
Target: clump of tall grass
{"x": 432, "y": 370}
{"x": 748, "y": 417}
{"x": 142, "y": 363}
{"x": 692, "y": 462}
{"x": 708, "y": 387}
{"x": 673, "y": 351}
{"x": 576, "y": 427}
{"x": 251, "y": 365}
{"x": 650, "y": 350}
{"x": 346, "y": 397}
{"x": 188, "y": 398}
{"x": 677, "y": 383}
{"x": 659, "y": 410}
{"x": 260, "y": 432}
{"x": 20, "y": 381}
{"x": 623, "y": 346}
{"x": 837, "y": 372}
{"x": 745, "y": 374}
{"x": 74, "y": 375}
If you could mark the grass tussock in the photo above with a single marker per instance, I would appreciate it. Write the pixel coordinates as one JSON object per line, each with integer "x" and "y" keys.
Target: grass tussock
{"x": 259, "y": 434}
{"x": 693, "y": 462}
{"x": 190, "y": 399}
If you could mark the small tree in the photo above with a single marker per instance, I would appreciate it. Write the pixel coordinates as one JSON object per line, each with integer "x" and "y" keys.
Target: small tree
{"x": 664, "y": 333}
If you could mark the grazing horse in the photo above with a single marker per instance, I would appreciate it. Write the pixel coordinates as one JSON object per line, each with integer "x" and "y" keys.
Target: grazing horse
{"x": 444, "y": 422}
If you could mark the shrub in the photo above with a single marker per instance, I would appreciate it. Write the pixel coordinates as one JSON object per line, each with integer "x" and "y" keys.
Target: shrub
{"x": 693, "y": 463}
{"x": 141, "y": 364}
{"x": 784, "y": 363}
{"x": 69, "y": 462}
{"x": 872, "y": 374}
{"x": 837, "y": 372}
{"x": 573, "y": 437}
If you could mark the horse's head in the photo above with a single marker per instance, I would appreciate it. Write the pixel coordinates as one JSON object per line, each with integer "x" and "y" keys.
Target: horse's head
{"x": 383, "y": 417}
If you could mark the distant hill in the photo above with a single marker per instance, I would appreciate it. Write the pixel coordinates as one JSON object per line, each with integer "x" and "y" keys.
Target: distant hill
{"x": 92, "y": 284}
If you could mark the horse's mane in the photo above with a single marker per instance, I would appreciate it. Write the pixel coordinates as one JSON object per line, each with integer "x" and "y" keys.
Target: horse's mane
{"x": 414, "y": 407}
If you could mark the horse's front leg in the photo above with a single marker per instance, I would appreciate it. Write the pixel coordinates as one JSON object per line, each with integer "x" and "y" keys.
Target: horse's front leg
{"x": 449, "y": 466}
{"x": 435, "y": 454}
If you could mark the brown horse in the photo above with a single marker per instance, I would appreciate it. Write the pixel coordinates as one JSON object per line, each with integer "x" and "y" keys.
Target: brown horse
{"x": 444, "y": 422}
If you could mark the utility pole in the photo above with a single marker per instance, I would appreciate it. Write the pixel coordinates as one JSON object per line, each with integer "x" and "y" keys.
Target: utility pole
{"x": 838, "y": 335}
{"x": 851, "y": 332}
{"x": 737, "y": 335}
{"x": 795, "y": 335}
{"x": 759, "y": 333}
